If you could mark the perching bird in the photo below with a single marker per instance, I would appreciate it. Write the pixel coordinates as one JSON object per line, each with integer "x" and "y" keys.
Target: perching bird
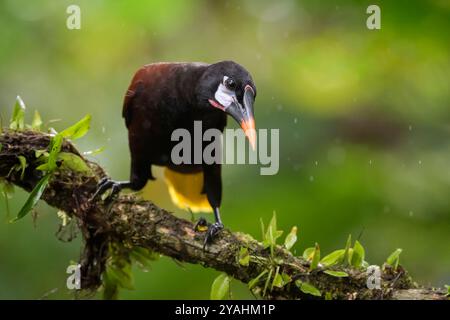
{"x": 163, "y": 97}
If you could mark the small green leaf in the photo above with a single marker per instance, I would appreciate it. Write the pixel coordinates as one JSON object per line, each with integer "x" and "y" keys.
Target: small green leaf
{"x": 291, "y": 238}
{"x": 244, "y": 257}
{"x": 73, "y": 162}
{"x": 220, "y": 287}
{"x": 333, "y": 258}
{"x": 345, "y": 258}
{"x": 55, "y": 148}
{"x": 315, "y": 258}
{"x": 308, "y": 253}
{"x": 40, "y": 153}
{"x": 286, "y": 278}
{"x": 358, "y": 255}
{"x": 272, "y": 233}
{"x": 350, "y": 255}
{"x": 273, "y": 222}
{"x": 308, "y": 288}
{"x": 23, "y": 166}
{"x": 255, "y": 281}
{"x": 394, "y": 259}
{"x": 77, "y": 130}
{"x": 337, "y": 274}
{"x": 17, "y": 119}
{"x": 34, "y": 197}
{"x": 42, "y": 167}
{"x": 37, "y": 121}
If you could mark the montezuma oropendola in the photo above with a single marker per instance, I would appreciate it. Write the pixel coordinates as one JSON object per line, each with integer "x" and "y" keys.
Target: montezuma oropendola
{"x": 165, "y": 96}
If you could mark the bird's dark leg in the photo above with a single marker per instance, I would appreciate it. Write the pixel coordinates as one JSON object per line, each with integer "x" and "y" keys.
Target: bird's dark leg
{"x": 213, "y": 190}
{"x": 115, "y": 186}
{"x": 213, "y": 229}
{"x": 139, "y": 176}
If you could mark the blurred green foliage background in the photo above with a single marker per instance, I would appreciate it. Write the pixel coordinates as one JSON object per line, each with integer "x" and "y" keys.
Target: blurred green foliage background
{"x": 364, "y": 119}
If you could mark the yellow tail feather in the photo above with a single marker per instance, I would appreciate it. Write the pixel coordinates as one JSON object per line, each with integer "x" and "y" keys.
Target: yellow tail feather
{"x": 186, "y": 190}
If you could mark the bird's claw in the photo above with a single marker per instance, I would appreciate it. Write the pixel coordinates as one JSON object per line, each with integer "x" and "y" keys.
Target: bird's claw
{"x": 213, "y": 230}
{"x": 103, "y": 185}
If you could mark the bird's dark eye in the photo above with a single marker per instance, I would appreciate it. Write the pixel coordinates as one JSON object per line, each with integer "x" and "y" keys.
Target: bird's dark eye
{"x": 230, "y": 84}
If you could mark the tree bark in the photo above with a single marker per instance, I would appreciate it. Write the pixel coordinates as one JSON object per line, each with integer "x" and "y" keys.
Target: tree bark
{"x": 131, "y": 221}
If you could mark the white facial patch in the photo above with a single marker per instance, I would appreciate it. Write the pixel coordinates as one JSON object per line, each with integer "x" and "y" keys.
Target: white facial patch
{"x": 224, "y": 95}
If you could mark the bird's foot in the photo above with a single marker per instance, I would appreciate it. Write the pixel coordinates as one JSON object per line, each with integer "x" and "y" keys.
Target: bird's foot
{"x": 213, "y": 230}
{"x": 105, "y": 184}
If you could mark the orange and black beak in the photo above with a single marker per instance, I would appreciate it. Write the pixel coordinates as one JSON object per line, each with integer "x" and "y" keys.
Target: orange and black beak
{"x": 243, "y": 114}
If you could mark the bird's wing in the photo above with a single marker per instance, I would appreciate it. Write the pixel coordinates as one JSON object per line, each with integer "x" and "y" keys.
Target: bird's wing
{"x": 132, "y": 92}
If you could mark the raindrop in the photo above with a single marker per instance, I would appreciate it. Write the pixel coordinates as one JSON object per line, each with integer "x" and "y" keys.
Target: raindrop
{"x": 311, "y": 178}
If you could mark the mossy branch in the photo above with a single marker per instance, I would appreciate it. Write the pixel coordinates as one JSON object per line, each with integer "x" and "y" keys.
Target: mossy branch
{"x": 134, "y": 222}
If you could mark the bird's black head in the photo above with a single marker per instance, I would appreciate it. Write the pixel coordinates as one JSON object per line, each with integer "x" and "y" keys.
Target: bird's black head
{"x": 227, "y": 86}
